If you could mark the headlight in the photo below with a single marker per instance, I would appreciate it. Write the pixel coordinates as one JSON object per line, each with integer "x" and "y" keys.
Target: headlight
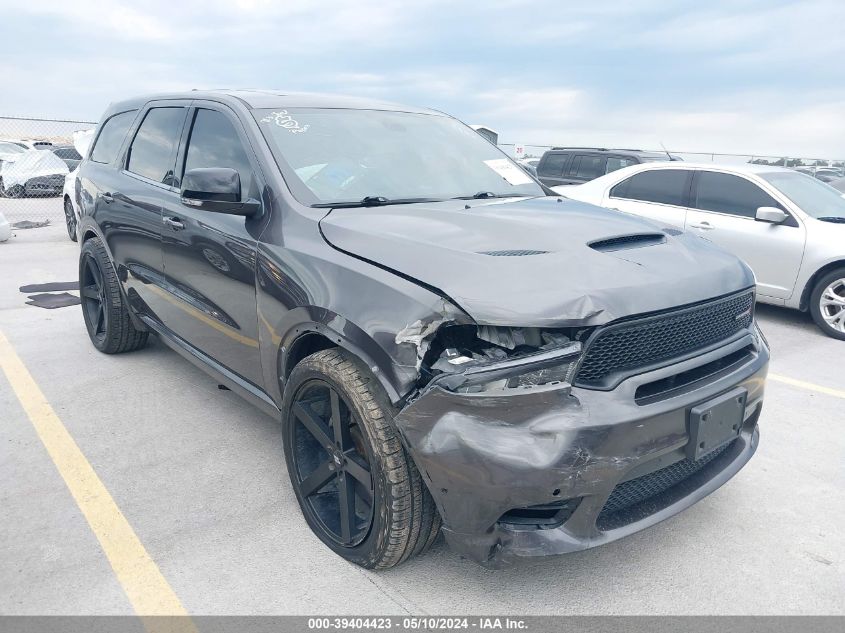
{"x": 496, "y": 359}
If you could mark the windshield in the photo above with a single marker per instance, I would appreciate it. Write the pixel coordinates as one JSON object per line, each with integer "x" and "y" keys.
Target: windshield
{"x": 342, "y": 155}
{"x": 814, "y": 197}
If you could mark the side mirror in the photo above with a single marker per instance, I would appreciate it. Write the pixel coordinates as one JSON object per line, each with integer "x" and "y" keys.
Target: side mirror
{"x": 773, "y": 215}
{"x": 216, "y": 189}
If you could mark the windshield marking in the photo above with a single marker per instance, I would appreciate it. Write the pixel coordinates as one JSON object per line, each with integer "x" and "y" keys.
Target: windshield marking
{"x": 285, "y": 120}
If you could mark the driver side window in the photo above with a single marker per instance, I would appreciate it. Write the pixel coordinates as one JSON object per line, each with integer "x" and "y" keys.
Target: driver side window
{"x": 214, "y": 142}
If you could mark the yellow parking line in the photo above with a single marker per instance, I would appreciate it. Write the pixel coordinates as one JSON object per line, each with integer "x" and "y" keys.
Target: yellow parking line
{"x": 836, "y": 393}
{"x": 147, "y": 590}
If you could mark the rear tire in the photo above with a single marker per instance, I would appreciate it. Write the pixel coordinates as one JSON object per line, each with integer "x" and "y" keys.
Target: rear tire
{"x": 106, "y": 315}
{"x": 401, "y": 519}
{"x": 70, "y": 220}
{"x": 827, "y": 303}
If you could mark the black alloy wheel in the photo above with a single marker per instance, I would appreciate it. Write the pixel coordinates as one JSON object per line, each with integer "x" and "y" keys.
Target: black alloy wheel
{"x": 92, "y": 292}
{"x": 331, "y": 463}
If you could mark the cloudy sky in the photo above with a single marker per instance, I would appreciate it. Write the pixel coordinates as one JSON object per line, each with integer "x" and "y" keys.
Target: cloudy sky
{"x": 744, "y": 76}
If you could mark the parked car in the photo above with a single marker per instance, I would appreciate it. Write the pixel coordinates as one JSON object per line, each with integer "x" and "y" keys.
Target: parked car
{"x": 81, "y": 143}
{"x": 32, "y": 173}
{"x": 5, "y": 228}
{"x": 789, "y": 227}
{"x": 30, "y": 143}
{"x": 576, "y": 165}
{"x": 828, "y": 174}
{"x": 68, "y": 154}
{"x": 441, "y": 341}
{"x": 10, "y": 151}
{"x": 838, "y": 184}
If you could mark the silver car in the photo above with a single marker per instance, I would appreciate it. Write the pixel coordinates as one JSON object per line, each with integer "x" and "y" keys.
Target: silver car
{"x": 787, "y": 226}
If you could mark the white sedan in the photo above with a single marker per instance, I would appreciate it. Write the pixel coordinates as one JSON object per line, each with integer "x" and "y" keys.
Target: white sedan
{"x": 787, "y": 226}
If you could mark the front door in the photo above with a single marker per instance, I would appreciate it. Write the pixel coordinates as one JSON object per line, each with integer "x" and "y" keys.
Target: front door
{"x": 723, "y": 211}
{"x": 209, "y": 258}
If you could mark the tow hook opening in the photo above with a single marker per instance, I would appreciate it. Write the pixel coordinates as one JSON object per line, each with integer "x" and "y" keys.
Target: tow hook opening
{"x": 545, "y": 516}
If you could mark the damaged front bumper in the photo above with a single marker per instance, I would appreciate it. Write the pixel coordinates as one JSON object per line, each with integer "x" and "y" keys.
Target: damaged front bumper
{"x": 522, "y": 474}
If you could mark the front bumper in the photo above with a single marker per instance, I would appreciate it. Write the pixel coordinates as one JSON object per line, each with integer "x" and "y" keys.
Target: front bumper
{"x": 484, "y": 455}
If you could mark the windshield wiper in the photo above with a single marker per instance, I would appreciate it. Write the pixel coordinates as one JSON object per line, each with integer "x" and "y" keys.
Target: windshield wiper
{"x": 833, "y": 218}
{"x": 372, "y": 201}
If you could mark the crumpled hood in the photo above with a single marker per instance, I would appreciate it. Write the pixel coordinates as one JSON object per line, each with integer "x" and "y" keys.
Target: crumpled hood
{"x": 447, "y": 246}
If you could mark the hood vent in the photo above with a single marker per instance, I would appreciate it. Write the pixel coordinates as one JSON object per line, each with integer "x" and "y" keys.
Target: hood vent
{"x": 624, "y": 242}
{"x": 522, "y": 253}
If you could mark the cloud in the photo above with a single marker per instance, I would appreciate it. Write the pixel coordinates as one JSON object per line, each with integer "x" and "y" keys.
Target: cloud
{"x": 760, "y": 76}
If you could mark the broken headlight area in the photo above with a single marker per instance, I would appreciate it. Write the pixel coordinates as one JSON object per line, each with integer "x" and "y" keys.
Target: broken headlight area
{"x": 477, "y": 359}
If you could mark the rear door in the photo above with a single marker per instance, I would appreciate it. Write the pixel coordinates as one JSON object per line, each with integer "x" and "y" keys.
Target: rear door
{"x": 209, "y": 258}
{"x": 128, "y": 188}
{"x": 550, "y": 169}
{"x": 724, "y": 206}
{"x": 657, "y": 194}
{"x": 584, "y": 168}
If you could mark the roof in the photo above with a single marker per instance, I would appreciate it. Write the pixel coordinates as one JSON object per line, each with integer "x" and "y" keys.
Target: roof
{"x": 744, "y": 168}
{"x": 632, "y": 152}
{"x": 259, "y": 99}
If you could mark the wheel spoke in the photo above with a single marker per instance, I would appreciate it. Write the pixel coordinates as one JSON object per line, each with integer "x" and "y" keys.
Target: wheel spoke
{"x": 314, "y": 425}
{"x": 90, "y": 292}
{"x": 101, "y": 317}
{"x": 314, "y": 482}
{"x": 358, "y": 470}
{"x": 348, "y": 518}
{"x": 364, "y": 493}
{"x": 339, "y": 425}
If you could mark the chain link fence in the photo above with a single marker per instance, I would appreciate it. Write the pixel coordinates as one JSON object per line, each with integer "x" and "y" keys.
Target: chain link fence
{"x": 35, "y": 157}
{"x": 803, "y": 163}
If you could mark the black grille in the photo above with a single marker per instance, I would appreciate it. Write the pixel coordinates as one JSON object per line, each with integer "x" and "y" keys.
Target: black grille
{"x": 626, "y": 347}
{"x": 630, "y": 493}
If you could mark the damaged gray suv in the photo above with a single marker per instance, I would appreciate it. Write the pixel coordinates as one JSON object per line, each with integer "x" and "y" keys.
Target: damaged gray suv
{"x": 447, "y": 346}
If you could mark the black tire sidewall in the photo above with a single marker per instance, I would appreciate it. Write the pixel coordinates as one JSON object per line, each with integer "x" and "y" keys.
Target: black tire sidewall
{"x": 815, "y": 296}
{"x": 368, "y": 551}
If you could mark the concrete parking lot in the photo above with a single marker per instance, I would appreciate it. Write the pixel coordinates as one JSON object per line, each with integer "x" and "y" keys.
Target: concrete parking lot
{"x": 199, "y": 477}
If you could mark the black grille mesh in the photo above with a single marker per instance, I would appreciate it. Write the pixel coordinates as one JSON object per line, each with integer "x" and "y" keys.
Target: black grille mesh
{"x": 632, "y": 492}
{"x": 643, "y": 342}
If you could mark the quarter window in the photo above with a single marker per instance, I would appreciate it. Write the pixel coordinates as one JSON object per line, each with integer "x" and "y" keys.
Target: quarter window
{"x": 553, "y": 165}
{"x": 664, "y": 186}
{"x": 214, "y": 142}
{"x": 153, "y": 150}
{"x": 725, "y": 193}
{"x": 111, "y": 137}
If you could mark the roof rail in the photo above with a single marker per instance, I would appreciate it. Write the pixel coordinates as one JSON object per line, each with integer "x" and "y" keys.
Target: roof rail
{"x": 604, "y": 149}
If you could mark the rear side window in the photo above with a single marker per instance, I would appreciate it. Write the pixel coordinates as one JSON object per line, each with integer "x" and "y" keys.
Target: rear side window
{"x": 614, "y": 163}
{"x": 725, "y": 193}
{"x": 214, "y": 142}
{"x": 664, "y": 186}
{"x": 153, "y": 150}
{"x": 111, "y": 137}
{"x": 553, "y": 165}
{"x": 587, "y": 167}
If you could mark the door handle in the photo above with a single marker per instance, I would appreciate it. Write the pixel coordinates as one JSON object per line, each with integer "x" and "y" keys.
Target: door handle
{"x": 107, "y": 198}
{"x": 174, "y": 223}
{"x": 704, "y": 226}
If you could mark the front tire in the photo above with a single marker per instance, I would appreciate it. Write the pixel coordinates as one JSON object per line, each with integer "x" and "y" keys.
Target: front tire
{"x": 358, "y": 489}
{"x": 827, "y": 303}
{"x": 106, "y": 315}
